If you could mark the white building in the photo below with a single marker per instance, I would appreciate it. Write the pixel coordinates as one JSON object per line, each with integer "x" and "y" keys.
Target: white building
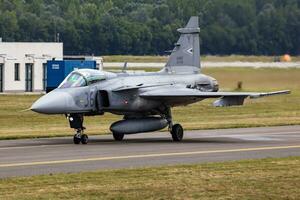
{"x": 23, "y": 65}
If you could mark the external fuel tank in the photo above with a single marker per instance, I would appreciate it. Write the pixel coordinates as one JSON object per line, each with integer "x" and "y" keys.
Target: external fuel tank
{"x": 138, "y": 125}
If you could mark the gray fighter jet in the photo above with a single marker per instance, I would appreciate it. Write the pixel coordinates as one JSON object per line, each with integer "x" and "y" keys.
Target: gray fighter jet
{"x": 144, "y": 99}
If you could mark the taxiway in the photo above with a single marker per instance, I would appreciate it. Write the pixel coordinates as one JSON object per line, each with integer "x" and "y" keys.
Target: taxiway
{"x": 59, "y": 155}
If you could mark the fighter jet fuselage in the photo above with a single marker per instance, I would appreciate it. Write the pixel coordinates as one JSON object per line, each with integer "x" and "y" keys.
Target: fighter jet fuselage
{"x": 118, "y": 93}
{"x": 144, "y": 99}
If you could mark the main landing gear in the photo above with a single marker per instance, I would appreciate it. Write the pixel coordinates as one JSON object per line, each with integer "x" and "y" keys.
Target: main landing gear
{"x": 176, "y": 130}
{"x": 76, "y": 122}
{"x": 118, "y": 136}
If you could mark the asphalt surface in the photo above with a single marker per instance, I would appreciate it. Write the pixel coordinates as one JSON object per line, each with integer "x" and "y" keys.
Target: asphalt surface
{"x": 56, "y": 155}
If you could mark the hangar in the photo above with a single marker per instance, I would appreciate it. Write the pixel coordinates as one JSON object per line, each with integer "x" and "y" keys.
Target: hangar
{"x": 23, "y": 65}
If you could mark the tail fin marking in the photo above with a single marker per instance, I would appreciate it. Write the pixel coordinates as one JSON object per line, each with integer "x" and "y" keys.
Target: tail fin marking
{"x": 185, "y": 57}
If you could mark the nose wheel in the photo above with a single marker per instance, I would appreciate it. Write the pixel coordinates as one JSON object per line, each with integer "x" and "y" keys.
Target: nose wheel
{"x": 84, "y": 139}
{"x": 80, "y": 137}
{"x": 76, "y": 122}
{"x": 76, "y": 139}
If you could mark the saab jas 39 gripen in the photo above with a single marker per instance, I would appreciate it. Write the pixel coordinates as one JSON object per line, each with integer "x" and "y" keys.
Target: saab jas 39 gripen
{"x": 144, "y": 99}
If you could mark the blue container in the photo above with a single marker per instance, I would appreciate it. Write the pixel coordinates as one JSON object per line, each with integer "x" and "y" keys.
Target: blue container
{"x": 58, "y": 70}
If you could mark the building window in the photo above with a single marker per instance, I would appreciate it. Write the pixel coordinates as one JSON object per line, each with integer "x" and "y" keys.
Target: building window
{"x": 17, "y": 71}
{"x": 1, "y": 76}
{"x": 28, "y": 77}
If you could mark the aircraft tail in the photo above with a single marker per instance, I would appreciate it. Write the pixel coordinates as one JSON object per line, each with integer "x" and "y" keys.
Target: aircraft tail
{"x": 185, "y": 57}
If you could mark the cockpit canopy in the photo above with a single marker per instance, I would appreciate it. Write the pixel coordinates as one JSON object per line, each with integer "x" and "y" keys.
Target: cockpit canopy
{"x": 82, "y": 77}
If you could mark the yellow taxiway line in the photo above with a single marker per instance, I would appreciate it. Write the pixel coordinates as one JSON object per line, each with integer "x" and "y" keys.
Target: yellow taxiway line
{"x": 145, "y": 156}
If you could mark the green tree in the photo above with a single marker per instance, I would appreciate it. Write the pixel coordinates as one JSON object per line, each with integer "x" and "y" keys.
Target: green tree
{"x": 149, "y": 26}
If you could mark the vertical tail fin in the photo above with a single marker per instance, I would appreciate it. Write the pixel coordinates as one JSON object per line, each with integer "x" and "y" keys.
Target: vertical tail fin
{"x": 185, "y": 57}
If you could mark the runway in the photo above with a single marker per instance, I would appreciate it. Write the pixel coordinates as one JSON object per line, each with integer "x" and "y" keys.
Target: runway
{"x": 59, "y": 155}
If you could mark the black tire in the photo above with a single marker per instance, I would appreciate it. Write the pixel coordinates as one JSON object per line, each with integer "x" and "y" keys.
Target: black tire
{"x": 118, "y": 136}
{"x": 76, "y": 139}
{"x": 84, "y": 139}
{"x": 177, "y": 132}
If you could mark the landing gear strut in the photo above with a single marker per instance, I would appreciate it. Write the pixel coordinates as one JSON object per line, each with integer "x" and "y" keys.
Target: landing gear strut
{"x": 76, "y": 122}
{"x": 176, "y": 130}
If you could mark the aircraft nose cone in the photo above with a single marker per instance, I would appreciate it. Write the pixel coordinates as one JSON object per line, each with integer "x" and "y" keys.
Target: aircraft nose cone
{"x": 52, "y": 103}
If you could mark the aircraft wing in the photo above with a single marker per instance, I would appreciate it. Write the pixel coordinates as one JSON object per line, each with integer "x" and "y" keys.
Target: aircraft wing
{"x": 176, "y": 94}
{"x": 139, "y": 86}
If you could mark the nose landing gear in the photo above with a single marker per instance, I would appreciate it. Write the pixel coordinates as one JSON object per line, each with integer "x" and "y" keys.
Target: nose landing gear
{"x": 76, "y": 122}
{"x": 79, "y": 136}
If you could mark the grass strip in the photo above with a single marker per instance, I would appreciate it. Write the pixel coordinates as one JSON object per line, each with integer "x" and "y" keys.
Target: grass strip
{"x": 272, "y": 178}
{"x": 269, "y": 111}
